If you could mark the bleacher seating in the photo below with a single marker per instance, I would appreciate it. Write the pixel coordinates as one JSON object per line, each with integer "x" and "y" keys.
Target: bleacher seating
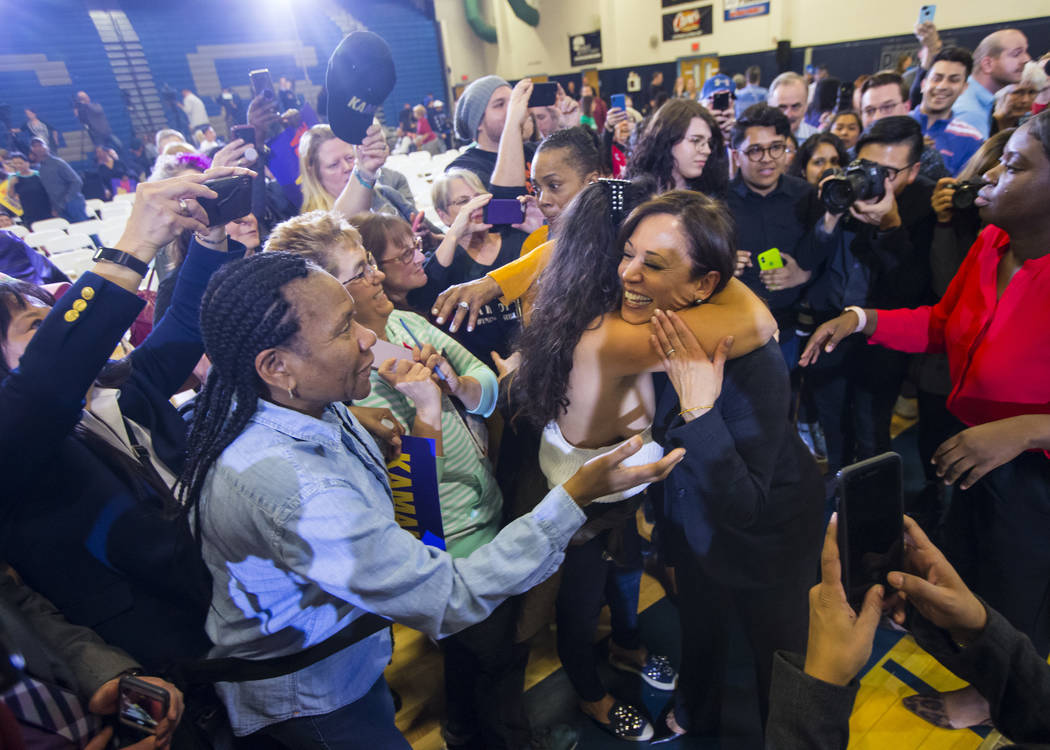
{"x": 74, "y": 262}
{"x": 40, "y": 240}
{"x": 46, "y": 225}
{"x": 91, "y": 226}
{"x": 68, "y": 243}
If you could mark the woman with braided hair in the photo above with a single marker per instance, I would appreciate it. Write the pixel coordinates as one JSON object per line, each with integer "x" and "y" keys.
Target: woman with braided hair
{"x": 296, "y": 519}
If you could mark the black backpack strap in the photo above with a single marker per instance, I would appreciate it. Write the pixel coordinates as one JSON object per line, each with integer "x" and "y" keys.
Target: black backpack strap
{"x": 231, "y": 669}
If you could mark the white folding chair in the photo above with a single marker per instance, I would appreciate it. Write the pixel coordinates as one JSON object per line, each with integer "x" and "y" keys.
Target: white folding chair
{"x": 74, "y": 263}
{"x": 110, "y": 232}
{"x": 44, "y": 239}
{"x": 66, "y": 244}
{"x": 91, "y": 226}
{"x": 17, "y": 230}
{"x": 46, "y": 225}
{"x": 93, "y": 206}
{"x": 116, "y": 209}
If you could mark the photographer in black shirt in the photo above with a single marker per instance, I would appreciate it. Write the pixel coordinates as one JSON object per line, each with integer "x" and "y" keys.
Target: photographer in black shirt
{"x": 880, "y": 243}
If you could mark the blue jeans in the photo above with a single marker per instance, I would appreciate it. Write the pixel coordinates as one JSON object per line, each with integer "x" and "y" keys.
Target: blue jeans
{"x": 367, "y": 722}
{"x": 75, "y": 210}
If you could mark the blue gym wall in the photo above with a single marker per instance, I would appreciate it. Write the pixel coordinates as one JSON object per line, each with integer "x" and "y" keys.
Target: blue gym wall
{"x": 63, "y": 32}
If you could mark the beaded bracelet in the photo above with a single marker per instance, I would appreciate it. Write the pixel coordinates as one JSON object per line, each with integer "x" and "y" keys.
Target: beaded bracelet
{"x": 695, "y": 408}
{"x": 363, "y": 181}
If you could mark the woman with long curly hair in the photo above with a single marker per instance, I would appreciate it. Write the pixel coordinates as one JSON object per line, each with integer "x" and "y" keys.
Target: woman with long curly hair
{"x": 682, "y": 147}
{"x": 584, "y": 382}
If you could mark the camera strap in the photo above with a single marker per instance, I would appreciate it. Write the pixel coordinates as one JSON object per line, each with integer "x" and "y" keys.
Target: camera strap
{"x": 232, "y": 669}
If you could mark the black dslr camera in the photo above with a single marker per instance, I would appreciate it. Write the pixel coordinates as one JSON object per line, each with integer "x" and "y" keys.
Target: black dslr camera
{"x": 965, "y": 193}
{"x": 863, "y": 180}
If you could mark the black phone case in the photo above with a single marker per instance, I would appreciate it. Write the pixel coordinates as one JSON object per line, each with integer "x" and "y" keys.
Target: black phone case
{"x": 844, "y": 476}
{"x": 543, "y": 94}
{"x": 233, "y": 202}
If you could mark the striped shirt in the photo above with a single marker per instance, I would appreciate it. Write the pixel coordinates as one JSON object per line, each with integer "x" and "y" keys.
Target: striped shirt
{"x": 471, "y": 502}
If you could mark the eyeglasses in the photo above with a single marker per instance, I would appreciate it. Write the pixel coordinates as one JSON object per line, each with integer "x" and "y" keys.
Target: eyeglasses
{"x": 891, "y": 172}
{"x": 368, "y": 272}
{"x": 408, "y": 255}
{"x": 756, "y": 153}
{"x": 886, "y": 108}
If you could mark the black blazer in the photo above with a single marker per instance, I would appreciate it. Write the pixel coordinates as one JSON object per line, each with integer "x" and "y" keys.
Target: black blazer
{"x": 69, "y": 520}
{"x": 747, "y": 500}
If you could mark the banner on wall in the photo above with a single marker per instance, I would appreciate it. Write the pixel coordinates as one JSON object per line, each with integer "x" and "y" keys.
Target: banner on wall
{"x": 737, "y": 9}
{"x": 585, "y": 49}
{"x": 687, "y": 23}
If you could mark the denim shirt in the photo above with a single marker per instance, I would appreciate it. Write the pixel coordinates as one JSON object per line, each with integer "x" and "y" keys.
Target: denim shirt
{"x": 299, "y": 534}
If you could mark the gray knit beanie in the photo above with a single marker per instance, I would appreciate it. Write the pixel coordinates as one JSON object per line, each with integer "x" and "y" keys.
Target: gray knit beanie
{"x": 470, "y": 109}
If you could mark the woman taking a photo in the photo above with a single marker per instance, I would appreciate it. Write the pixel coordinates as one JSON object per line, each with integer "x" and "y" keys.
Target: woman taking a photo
{"x": 997, "y": 520}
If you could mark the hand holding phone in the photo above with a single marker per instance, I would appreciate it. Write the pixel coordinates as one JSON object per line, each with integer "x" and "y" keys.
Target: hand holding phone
{"x": 504, "y": 211}
{"x": 141, "y": 704}
{"x": 262, "y": 84}
{"x": 543, "y": 94}
{"x": 770, "y": 259}
{"x": 870, "y": 532}
{"x": 234, "y": 199}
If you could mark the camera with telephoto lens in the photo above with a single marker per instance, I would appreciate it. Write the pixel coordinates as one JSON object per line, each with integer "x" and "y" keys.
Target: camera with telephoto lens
{"x": 861, "y": 181}
{"x": 965, "y": 193}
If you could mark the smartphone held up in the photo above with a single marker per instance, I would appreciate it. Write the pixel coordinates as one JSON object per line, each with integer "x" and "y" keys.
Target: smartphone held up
{"x": 870, "y": 526}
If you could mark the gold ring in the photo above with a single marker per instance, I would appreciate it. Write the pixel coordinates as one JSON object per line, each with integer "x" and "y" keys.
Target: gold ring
{"x": 183, "y": 208}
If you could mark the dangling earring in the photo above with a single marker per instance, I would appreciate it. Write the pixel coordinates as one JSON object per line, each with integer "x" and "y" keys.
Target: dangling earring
{"x": 292, "y": 394}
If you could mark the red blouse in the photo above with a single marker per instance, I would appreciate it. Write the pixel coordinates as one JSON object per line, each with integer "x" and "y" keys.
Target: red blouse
{"x": 998, "y": 349}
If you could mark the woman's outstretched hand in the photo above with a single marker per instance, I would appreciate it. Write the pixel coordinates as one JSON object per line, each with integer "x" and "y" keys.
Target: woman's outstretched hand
{"x": 603, "y": 474}
{"x": 696, "y": 377}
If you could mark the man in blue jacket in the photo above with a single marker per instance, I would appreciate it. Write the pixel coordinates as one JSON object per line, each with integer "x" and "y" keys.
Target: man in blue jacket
{"x": 954, "y": 139}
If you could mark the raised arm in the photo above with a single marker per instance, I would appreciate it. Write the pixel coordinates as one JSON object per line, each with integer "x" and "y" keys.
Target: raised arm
{"x": 41, "y": 401}
{"x": 735, "y": 311}
{"x": 356, "y": 197}
{"x": 510, "y": 158}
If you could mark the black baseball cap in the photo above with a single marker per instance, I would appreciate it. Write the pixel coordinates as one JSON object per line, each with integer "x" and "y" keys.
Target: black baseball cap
{"x": 360, "y": 77}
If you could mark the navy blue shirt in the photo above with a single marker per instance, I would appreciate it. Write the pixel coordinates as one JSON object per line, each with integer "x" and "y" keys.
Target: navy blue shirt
{"x": 784, "y": 219}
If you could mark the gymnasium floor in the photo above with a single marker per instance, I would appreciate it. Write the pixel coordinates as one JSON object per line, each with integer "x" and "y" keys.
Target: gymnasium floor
{"x": 897, "y": 668}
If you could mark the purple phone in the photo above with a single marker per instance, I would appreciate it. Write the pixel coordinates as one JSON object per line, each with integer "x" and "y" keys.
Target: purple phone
{"x": 504, "y": 211}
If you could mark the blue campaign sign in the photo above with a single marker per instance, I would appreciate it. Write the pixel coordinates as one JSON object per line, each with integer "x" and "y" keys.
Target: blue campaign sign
{"x": 413, "y": 480}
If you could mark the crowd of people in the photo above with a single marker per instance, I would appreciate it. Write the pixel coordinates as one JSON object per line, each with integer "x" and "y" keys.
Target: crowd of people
{"x": 694, "y": 312}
